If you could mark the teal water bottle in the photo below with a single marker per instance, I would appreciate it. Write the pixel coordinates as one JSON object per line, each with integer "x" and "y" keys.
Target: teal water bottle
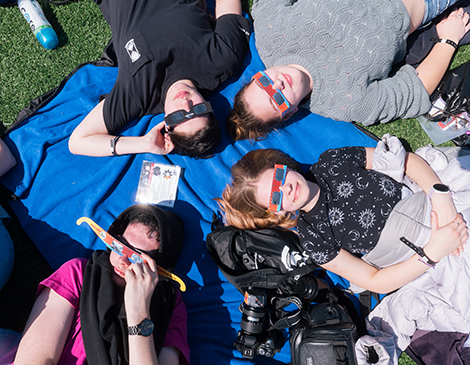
{"x": 41, "y": 28}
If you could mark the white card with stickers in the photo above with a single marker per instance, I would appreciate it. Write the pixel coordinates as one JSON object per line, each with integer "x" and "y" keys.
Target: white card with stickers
{"x": 158, "y": 184}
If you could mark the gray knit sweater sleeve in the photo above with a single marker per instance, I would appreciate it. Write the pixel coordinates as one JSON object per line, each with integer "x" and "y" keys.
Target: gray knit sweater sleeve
{"x": 349, "y": 49}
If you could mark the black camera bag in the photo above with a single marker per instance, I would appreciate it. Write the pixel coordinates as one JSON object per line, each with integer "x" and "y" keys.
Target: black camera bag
{"x": 254, "y": 259}
{"x": 326, "y": 335}
{"x": 257, "y": 258}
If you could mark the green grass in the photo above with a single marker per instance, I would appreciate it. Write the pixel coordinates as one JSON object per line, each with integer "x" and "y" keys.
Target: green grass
{"x": 27, "y": 71}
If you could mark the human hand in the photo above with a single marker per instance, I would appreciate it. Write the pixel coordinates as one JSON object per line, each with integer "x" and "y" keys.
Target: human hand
{"x": 156, "y": 142}
{"x": 446, "y": 240}
{"x": 454, "y": 27}
{"x": 141, "y": 280}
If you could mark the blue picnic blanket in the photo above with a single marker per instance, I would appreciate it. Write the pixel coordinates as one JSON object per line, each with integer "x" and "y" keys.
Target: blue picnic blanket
{"x": 56, "y": 188}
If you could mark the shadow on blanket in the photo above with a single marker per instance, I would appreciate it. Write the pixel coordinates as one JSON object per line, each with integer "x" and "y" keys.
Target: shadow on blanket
{"x": 56, "y": 188}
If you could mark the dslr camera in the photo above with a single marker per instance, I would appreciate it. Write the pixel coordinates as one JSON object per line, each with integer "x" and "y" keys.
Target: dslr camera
{"x": 258, "y": 314}
{"x": 254, "y": 339}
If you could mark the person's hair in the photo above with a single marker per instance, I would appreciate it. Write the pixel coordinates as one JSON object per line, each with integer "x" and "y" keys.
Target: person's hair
{"x": 168, "y": 226}
{"x": 238, "y": 200}
{"x": 149, "y": 221}
{"x": 203, "y": 142}
{"x": 243, "y": 124}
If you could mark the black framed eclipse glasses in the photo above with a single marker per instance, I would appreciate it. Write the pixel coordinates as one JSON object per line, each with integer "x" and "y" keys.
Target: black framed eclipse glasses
{"x": 181, "y": 116}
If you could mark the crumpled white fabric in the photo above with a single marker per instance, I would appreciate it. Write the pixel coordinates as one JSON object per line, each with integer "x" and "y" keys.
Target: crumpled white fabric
{"x": 440, "y": 298}
{"x": 379, "y": 344}
{"x": 389, "y": 157}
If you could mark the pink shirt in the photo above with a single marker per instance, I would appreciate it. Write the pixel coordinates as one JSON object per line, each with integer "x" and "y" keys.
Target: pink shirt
{"x": 67, "y": 281}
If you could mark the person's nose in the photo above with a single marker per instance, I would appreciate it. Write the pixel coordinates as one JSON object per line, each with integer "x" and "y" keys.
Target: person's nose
{"x": 286, "y": 189}
{"x": 278, "y": 84}
{"x": 186, "y": 104}
{"x": 124, "y": 260}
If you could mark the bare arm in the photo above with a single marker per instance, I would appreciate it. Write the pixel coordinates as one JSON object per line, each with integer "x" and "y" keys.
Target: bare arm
{"x": 421, "y": 173}
{"x": 223, "y": 7}
{"x": 141, "y": 280}
{"x": 434, "y": 66}
{"x": 443, "y": 241}
{"x": 7, "y": 161}
{"x": 46, "y": 330}
{"x": 91, "y": 138}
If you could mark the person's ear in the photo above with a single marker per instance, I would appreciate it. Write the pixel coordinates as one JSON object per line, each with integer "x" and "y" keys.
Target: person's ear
{"x": 169, "y": 146}
{"x": 290, "y": 113}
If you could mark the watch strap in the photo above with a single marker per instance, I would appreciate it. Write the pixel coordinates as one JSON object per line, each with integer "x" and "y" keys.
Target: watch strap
{"x": 445, "y": 40}
{"x": 438, "y": 191}
{"x": 133, "y": 330}
{"x": 144, "y": 328}
{"x": 113, "y": 143}
{"x": 423, "y": 257}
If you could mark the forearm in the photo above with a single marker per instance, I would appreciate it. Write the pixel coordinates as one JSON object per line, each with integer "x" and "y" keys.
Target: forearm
{"x": 421, "y": 173}
{"x": 418, "y": 170}
{"x": 434, "y": 66}
{"x": 142, "y": 351}
{"x": 91, "y": 138}
{"x": 368, "y": 277}
{"x": 100, "y": 145}
{"x": 443, "y": 240}
{"x": 394, "y": 277}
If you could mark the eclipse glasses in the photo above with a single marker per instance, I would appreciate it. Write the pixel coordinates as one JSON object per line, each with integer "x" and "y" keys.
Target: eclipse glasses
{"x": 121, "y": 248}
{"x": 181, "y": 116}
{"x": 279, "y": 178}
{"x": 263, "y": 80}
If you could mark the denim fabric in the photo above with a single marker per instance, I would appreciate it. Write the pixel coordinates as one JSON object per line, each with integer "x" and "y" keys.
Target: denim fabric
{"x": 434, "y": 8}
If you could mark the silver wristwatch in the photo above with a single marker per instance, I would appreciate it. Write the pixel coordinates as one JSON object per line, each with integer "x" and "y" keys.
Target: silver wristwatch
{"x": 144, "y": 328}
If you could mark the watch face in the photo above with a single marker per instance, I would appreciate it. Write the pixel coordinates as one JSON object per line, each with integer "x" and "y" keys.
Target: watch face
{"x": 146, "y": 327}
{"x": 441, "y": 187}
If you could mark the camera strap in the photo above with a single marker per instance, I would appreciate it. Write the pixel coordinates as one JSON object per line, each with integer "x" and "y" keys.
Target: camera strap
{"x": 287, "y": 318}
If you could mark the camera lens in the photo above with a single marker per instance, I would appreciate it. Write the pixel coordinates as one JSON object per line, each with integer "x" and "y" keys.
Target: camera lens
{"x": 307, "y": 287}
{"x": 252, "y": 320}
{"x": 253, "y": 311}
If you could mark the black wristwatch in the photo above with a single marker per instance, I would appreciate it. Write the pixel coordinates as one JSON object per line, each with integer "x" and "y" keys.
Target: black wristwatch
{"x": 144, "y": 328}
{"x": 438, "y": 189}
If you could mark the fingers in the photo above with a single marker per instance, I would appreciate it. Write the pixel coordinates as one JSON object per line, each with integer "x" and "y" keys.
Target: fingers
{"x": 150, "y": 262}
{"x": 460, "y": 13}
{"x": 143, "y": 270}
{"x": 455, "y": 26}
{"x": 161, "y": 143}
{"x": 462, "y": 232}
{"x": 160, "y": 126}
